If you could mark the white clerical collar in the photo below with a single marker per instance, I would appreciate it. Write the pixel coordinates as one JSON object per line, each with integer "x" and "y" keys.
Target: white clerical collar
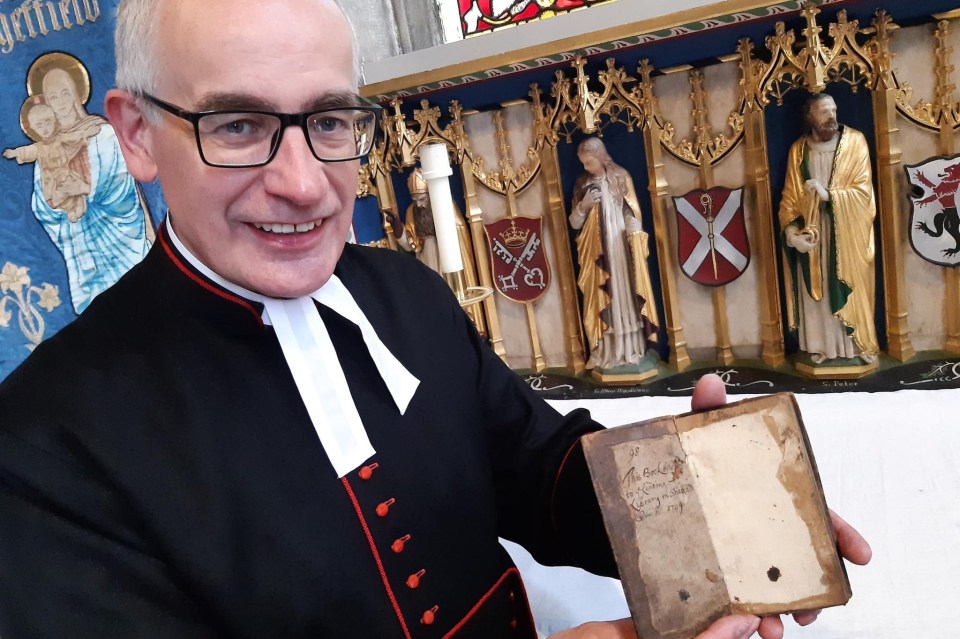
{"x": 314, "y": 363}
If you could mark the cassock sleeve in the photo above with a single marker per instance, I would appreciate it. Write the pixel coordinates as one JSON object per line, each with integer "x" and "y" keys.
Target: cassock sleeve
{"x": 545, "y": 498}
{"x": 543, "y": 493}
{"x": 70, "y": 563}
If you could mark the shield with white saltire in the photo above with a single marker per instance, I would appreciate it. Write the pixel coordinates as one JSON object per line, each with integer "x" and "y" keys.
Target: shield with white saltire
{"x": 934, "y": 201}
{"x": 712, "y": 239}
{"x": 519, "y": 264}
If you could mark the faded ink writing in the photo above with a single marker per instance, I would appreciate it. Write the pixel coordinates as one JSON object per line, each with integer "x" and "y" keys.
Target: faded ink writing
{"x": 654, "y": 490}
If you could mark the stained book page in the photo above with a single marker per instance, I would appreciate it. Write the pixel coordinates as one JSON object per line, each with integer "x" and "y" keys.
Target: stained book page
{"x": 714, "y": 513}
{"x": 661, "y": 503}
{"x": 746, "y": 470}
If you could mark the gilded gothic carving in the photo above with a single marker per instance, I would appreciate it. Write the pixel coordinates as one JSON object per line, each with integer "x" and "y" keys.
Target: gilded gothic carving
{"x": 586, "y": 100}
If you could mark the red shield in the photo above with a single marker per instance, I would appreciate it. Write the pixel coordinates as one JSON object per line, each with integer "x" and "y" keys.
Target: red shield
{"x": 520, "y": 270}
{"x": 934, "y": 200}
{"x": 712, "y": 236}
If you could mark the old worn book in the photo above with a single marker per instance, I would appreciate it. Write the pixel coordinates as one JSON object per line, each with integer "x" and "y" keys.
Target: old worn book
{"x": 716, "y": 513}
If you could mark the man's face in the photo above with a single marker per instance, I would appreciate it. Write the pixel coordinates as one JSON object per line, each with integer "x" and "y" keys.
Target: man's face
{"x": 823, "y": 119}
{"x": 278, "y": 229}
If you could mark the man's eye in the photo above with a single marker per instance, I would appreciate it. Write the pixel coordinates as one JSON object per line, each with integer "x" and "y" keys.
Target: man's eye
{"x": 235, "y": 127}
{"x": 329, "y": 123}
{"x": 238, "y": 127}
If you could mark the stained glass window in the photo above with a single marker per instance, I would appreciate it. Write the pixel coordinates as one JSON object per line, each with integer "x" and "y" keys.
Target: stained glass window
{"x": 478, "y": 16}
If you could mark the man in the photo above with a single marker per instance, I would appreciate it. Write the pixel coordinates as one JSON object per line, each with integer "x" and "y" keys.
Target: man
{"x": 192, "y": 485}
{"x": 826, "y": 215}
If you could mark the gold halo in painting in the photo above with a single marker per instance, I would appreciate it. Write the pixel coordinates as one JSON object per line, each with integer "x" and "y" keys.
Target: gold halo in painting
{"x": 59, "y": 60}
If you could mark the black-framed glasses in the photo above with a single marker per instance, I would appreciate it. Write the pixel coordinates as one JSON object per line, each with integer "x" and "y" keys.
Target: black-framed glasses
{"x": 245, "y": 138}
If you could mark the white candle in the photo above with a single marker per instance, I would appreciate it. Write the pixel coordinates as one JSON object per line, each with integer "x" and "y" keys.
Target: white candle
{"x": 436, "y": 170}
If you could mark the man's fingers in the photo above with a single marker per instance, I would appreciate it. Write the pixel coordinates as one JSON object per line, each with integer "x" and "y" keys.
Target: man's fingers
{"x": 710, "y": 392}
{"x": 853, "y": 546}
{"x": 806, "y": 618}
{"x": 733, "y": 627}
{"x": 771, "y": 628}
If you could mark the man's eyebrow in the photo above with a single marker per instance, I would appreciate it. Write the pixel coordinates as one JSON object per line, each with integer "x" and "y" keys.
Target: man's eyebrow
{"x": 245, "y": 102}
{"x": 338, "y": 100}
{"x": 232, "y": 102}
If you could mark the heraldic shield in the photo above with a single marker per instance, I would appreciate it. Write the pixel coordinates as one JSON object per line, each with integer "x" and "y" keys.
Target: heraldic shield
{"x": 712, "y": 236}
{"x": 934, "y": 200}
{"x": 520, "y": 270}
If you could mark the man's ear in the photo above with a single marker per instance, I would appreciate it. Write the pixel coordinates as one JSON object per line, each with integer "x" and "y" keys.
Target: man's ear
{"x": 133, "y": 132}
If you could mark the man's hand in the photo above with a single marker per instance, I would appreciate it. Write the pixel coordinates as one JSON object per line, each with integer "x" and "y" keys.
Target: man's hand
{"x": 710, "y": 392}
{"x": 733, "y": 627}
{"x": 853, "y": 547}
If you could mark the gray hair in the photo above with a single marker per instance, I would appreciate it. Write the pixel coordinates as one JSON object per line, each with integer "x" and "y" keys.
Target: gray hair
{"x": 135, "y": 40}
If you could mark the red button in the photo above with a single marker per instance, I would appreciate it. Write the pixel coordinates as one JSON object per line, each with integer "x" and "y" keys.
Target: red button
{"x": 429, "y": 616}
{"x": 384, "y": 508}
{"x": 413, "y": 581}
{"x": 367, "y": 471}
{"x": 398, "y": 544}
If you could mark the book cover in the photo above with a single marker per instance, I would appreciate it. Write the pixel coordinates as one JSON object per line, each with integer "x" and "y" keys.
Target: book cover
{"x": 715, "y": 513}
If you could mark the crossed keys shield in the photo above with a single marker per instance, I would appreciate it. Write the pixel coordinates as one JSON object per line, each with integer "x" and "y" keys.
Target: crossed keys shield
{"x": 712, "y": 236}
{"x": 520, "y": 270}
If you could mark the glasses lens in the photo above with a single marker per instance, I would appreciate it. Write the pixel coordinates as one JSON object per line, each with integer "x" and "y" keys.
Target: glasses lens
{"x": 237, "y": 139}
{"x": 341, "y": 134}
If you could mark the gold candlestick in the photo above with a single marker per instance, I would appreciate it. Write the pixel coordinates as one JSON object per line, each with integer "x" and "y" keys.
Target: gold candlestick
{"x": 466, "y": 295}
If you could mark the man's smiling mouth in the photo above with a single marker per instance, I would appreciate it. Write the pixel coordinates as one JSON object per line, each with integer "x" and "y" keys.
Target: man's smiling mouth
{"x": 284, "y": 229}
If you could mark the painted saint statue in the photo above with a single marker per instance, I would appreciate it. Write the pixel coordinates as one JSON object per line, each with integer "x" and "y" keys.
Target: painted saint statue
{"x": 826, "y": 216}
{"x": 416, "y": 234}
{"x": 619, "y": 313}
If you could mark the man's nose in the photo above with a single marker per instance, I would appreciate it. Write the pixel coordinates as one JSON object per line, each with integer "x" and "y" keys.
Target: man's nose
{"x": 294, "y": 173}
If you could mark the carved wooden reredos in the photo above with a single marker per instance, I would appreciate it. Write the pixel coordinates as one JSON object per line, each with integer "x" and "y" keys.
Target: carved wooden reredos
{"x": 696, "y": 126}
